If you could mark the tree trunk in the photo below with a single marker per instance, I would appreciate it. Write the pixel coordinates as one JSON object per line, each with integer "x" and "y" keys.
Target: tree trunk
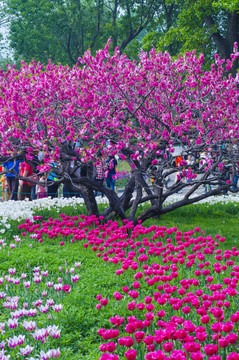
{"x": 225, "y": 45}
{"x": 90, "y": 202}
{"x": 136, "y": 200}
{"x": 128, "y": 193}
{"x": 159, "y": 210}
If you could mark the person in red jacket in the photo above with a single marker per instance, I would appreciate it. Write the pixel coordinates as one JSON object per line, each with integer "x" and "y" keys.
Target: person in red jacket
{"x": 178, "y": 160}
{"x": 24, "y": 188}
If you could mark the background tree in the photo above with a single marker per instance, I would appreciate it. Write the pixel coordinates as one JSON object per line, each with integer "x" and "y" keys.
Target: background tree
{"x": 3, "y": 15}
{"x": 166, "y": 18}
{"x": 206, "y": 26}
{"x": 64, "y": 30}
{"x": 143, "y": 110}
{"x": 3, "y": 22}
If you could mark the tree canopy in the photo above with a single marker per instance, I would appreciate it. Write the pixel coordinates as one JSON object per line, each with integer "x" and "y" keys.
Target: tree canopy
{"x": 143, "y": 109}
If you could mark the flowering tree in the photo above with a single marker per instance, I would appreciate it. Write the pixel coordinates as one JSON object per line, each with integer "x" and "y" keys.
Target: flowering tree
{"x": 144, "y": 110}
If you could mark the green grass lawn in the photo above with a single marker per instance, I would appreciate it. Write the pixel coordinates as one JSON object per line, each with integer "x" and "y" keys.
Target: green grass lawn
{"x": 214, "y": 219}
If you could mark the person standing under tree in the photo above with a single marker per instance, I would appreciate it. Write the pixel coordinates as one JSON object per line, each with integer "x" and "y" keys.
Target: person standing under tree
{"x": 41, "y": 190}
{"x": 3, "y": 180}
{"x": 12, "y": 180}
{"x": 111, "y": 164}
{"x": 99, "y": 172}
{"x": 53, "y": 186}
{"x": 24, "y": 188}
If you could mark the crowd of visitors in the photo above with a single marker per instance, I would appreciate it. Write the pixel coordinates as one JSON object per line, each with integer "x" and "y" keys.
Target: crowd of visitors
{"x": 188, "y": 167}
{"x": 47, "y": 186}
{"x": 200, "y": 161}
{"x": 104, "y": 172}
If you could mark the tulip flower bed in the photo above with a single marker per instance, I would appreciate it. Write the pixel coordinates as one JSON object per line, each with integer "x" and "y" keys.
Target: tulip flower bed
{"x": 31, "y": 303}
{"x": 179, "y": 298}
{"x": 30, "y": 326}
{"x": 45, "y": 294}
{"x": 153, "y": 293}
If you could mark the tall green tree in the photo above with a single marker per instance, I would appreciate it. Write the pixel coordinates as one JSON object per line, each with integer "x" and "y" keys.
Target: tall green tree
{"x": 164, "y": 20}
{"x": 208, "y": 26}
{"x": 3, "y": 21}
{"x": 64, "y": 29}
{"x": 41, "y": 29}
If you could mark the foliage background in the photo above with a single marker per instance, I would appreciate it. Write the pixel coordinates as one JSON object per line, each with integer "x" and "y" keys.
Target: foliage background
{"x": 63, "y": 30}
